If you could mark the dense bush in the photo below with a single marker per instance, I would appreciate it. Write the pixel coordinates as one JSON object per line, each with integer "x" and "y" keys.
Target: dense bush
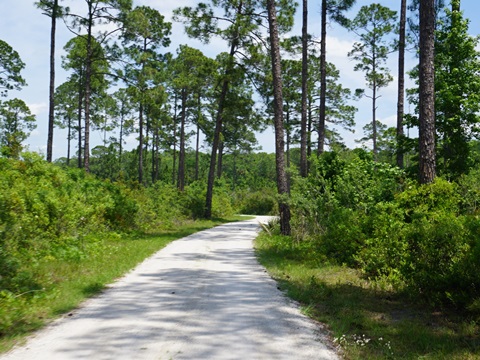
{"x": 257, "y": 202}
{"x": 47, "y": 212}
{"x": 334, "y": 202}
{"x": 423, "y": 239}
{"x": 193, "y": 201}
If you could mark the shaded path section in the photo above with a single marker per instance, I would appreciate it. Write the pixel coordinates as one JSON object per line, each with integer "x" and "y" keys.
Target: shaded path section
{"x": 201, "y": 297}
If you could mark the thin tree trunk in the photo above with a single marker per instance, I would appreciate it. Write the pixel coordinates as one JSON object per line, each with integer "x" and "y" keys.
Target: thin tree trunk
{"x": 88, "y": 76}
{"x": 197, "y": 147}
{"x": 157, "y": 154}
{"x": 69, "y": 139}
{"x": 174, "y": 168}
{"x": 122, "y": 120}
{"x": 218, "y": 123}
{"x": 374, "y": 121}
{"x": 51, "y": 110}
{"x": 154, "y": 154}
{"x": 288, "y": 137}
{"x": 282, "y": 184}
{"x": 80, "y": 110}
{"x": 427, "y": 92}
{"x": 401, "y": 83}
{"x": 303, "y": 136}
{"x": 181, "y": 158}
{"x": 220, "y": 160}
{"x": 140, "y": 143}
{"x": 309, "y": 131}
{"x": 323, "y": 80}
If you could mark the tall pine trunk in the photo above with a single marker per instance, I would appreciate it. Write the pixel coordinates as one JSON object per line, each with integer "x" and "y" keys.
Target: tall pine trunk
{"x": 323, "y": 80}
{"x": 88, "y": 78}
{"x": 174, "y": 166}
{"x": 181, "y": 157}
{"x": 219, "y": 121}
{"x": 197, "y": 146}
{"x": 51, "y": 109}
{"x": 69, "y": 139}
{"x": 140, "y": 143}
{"x": 427, "y": 92}
{"x": 221, "y": 148}
{"x": 282, "y": 184}
{"x": 401, "y": 83}
{"x": 79, "y": 118}
{"x": 303, "y": 136}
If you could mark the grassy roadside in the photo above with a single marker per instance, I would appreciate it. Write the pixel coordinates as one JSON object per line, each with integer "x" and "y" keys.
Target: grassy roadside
{"x": 68, "y": 283}
{"x": 366, "y": 321}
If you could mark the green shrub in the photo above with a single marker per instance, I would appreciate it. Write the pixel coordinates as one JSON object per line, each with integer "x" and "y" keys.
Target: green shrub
{"x": 258, "y": 202}
{"x": 194, "y": 200}
{"x": 423, "y": 241}
{"x": 333, "y": 204}
{"x": 384, "y": 251}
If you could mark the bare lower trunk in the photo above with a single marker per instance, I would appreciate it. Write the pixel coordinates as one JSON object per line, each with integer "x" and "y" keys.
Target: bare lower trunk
{"x": 140, "y": 144}
{"x": 323, "y": 80}
{"x": 303, "y": 140}
{"x": 181, "y": 158}
{"x": 220, "y": 160}
{"x": 51, "y": 110}
{"x": 174, "y": 166}
{"x": 88, "y": 78}
{"x": 427, "y": 92}
{"x": 282, "y": 184}
{"x": 79, "y": 117}
{"x": 219, "y": 123}
{"x": 69, "y": 139}
{"x": 401, "y": 83}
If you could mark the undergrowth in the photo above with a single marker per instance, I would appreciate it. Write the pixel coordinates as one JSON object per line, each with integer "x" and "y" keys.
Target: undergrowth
{"x": 366, "y": 320}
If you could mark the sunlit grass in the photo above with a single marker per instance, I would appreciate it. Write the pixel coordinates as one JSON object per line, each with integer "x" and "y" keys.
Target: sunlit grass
{"x": 365, "y": 321}
{"x": 67, "y": 283}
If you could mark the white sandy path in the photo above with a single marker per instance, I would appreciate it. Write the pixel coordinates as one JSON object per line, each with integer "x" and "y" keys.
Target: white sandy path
{"x": 201, "y": 297}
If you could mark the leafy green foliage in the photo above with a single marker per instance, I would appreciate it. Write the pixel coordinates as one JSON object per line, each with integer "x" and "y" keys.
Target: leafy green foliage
{"x": 257, "y": 203}
{"x": 194, "y": 200}
{"x": 10, "y": 67}
{"x": 337, "y": 198}
{"x": 16, "y": 122}
{"x": 422, "y": 239}
{"x": 52, "y": 218}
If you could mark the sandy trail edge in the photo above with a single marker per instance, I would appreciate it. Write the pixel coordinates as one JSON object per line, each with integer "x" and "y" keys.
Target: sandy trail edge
{"x": 201, "y": 297}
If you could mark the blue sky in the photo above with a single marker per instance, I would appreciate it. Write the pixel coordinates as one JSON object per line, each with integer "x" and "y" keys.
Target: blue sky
{"x": 28, "y": 31}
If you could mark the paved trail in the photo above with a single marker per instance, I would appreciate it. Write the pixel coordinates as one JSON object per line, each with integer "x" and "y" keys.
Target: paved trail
{"x": 202, "y": 297}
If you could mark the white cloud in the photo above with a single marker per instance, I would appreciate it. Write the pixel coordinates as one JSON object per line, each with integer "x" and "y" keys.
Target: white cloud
{"x": 38, "y": 108}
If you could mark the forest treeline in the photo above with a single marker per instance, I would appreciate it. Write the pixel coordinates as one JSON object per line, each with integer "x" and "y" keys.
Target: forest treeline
{"x": 403, "y": 211}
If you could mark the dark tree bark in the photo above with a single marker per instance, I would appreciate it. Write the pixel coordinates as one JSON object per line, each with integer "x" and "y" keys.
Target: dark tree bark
{"x": 303, "y": 140}
{"x": 219, "y": 121}
{"x": 51, "y": 110}
{"x": 374, "y": 114}
{"x": 221, "y": 148}
{"x": 427, "y": 92}
{"x": 216, "y": 143}
{"x": 197, "y": 146}
{"x": 69, "y": 139}
{"x": 79, "y": 117}
{"x": 140, "y": 143}
{"x": 282, "y": 184}
{"x": 174, "y": 167}
{"x": 181, "y": 157}
{"x": 323, "y": 80}
{"x": 401, "y": 83}
{"x": 88, "y": 77}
